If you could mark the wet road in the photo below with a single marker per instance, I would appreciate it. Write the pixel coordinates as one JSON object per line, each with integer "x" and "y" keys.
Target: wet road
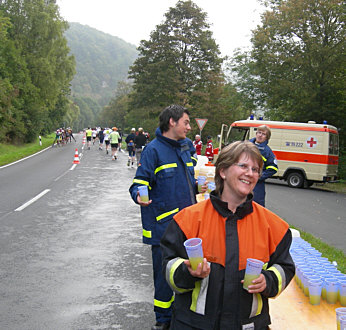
{"x": 319, "y": 212}
{"x": 74, "y": 259}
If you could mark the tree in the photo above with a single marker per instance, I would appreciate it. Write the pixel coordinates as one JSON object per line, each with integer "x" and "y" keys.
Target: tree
{"x": 180, "y": 63}
{"x": 37, "y": 32}
{"x": 298, "y": 58}
{"x": 16, "y": 89}
{"x": 115, "y": 112}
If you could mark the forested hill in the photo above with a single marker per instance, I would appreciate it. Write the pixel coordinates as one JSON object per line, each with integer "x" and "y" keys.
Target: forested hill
{"x": 102, "y": 60}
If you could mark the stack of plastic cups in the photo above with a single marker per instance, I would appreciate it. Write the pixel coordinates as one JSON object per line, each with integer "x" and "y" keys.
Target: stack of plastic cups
{"x": 340, "y": 312}
{"x": 311, "y": 267}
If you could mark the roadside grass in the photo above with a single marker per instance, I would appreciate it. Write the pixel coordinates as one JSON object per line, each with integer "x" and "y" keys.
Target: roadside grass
{"x": 327, "y": 251}
{"x": 10, "y": 153}
{"x": 339, "y": 187}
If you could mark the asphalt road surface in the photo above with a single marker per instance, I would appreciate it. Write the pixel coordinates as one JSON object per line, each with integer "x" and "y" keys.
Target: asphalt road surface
{"x": 316, "y": 211}
{"x": 74, "y": 258}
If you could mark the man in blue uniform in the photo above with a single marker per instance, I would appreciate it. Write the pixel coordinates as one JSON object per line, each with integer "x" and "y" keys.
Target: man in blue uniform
{"x": 270, "y": 166}
{"x": 167, "y": 169}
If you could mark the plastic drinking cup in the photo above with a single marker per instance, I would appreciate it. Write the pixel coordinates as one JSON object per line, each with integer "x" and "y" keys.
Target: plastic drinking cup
{"x": 324, "y": 287}
{"x": 341, "y": 311}
{"x": 342, "y": 292}
{"x": 315, "y": 289}
{"x": 252, "y": 271}
{"x": 332, "y": 287}
{"x": 194, "y": 251}
{"x": 200, "y": 181}
{"x": 343, "y": 323}
{"x": 143, "y": 193}
{"x": 211, "y": 187}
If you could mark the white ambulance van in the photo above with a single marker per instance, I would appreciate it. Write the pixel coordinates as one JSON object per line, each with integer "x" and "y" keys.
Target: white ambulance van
{"x": 306, "y": 152}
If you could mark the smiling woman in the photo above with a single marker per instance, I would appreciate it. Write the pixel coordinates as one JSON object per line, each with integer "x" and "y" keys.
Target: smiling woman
{"x": 233, "y": 228}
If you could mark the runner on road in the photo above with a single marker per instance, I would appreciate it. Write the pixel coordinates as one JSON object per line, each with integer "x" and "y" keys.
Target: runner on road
{"x": 114, "y": 139}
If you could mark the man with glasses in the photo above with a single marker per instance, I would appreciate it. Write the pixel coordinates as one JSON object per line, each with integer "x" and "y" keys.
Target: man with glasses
{"x": 270, "y": 166}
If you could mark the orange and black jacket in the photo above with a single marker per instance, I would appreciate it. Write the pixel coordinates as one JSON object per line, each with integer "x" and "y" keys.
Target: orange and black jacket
{"x": 219, "y": 301}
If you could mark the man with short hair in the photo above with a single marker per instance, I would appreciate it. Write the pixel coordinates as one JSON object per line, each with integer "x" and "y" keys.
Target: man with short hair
{"x": 140, "y": 142}
{"x": 270, "y": 166}
{"x": 167, "y": 169}
{"x": 130, "y": 141}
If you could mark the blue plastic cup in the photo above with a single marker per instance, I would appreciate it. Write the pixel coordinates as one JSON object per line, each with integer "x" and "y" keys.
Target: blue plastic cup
{"x": 332, "y": 287}
{"x": 194, "y": 250}
{"x": 143, "y": 193}
{"x": 211, "y": 187}
{"x": 252, "y": 271}
{"x": 342, "y": 292}
{"x": 343, "y": 323}
{"x": 340, "y": 312}
{"x": 315, "y": 290}
{"x": 200, "y": 182}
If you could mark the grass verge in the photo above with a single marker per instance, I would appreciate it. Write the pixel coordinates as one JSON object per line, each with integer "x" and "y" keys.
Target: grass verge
{"x": 10, "y": 153}
{"x": 339, "y": 187}
{"x": 327, "y": 251}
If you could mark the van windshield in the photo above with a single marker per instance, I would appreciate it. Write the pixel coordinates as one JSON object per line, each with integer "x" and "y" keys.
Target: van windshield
{"x": 237, "y": 134}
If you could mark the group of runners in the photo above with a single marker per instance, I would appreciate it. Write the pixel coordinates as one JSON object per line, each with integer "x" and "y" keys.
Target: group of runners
{"x": 112, "y": 138}
{"x": 63, "y": 136}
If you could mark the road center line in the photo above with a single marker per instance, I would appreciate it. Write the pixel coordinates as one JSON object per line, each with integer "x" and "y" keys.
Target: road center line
{"x": 20, "y": 208}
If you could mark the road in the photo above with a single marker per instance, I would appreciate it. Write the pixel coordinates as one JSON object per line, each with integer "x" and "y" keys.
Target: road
{"x": 316, "y": 211}
{"x": 74, "y": 259}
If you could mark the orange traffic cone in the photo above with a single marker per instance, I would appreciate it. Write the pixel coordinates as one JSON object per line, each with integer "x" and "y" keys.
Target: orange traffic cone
{"x": 83, "y": 139}
{"x": 76, "y": 157}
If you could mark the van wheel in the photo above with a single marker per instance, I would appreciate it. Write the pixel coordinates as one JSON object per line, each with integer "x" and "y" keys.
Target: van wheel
{"x": 295, "y": 180}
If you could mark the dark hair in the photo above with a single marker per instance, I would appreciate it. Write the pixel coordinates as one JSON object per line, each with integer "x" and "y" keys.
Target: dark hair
{"x": 230, "y": 155}
{"x": 173, "y": 111}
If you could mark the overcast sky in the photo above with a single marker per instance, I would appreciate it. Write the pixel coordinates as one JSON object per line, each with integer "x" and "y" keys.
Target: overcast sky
{"x": 132, "y": 20}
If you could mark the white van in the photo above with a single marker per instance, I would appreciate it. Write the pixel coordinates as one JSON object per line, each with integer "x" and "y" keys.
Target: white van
{"x": 306, "y": 152}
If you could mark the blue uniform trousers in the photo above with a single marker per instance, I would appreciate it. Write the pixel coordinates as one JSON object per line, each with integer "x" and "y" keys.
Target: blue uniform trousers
{"x": 163, "y": 297}
{"x": 260, "y": 193}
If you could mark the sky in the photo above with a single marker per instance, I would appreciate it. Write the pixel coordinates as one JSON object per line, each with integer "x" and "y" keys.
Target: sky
{"x": 132, "y": 20}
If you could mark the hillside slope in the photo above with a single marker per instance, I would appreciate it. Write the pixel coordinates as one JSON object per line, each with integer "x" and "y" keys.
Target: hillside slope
{"x": 102, "y": 60}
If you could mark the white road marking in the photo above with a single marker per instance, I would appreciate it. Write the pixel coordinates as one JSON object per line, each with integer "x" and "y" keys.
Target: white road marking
{"x": 32, "y": 200}
{"x": 73, "y": 167}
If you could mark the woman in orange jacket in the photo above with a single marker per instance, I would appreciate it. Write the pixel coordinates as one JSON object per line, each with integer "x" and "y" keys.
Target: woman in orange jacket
{"x": 232, "y": 228}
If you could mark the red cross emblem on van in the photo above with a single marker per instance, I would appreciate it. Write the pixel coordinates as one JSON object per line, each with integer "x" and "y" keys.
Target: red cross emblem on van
{"x": 311, "y": 142}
